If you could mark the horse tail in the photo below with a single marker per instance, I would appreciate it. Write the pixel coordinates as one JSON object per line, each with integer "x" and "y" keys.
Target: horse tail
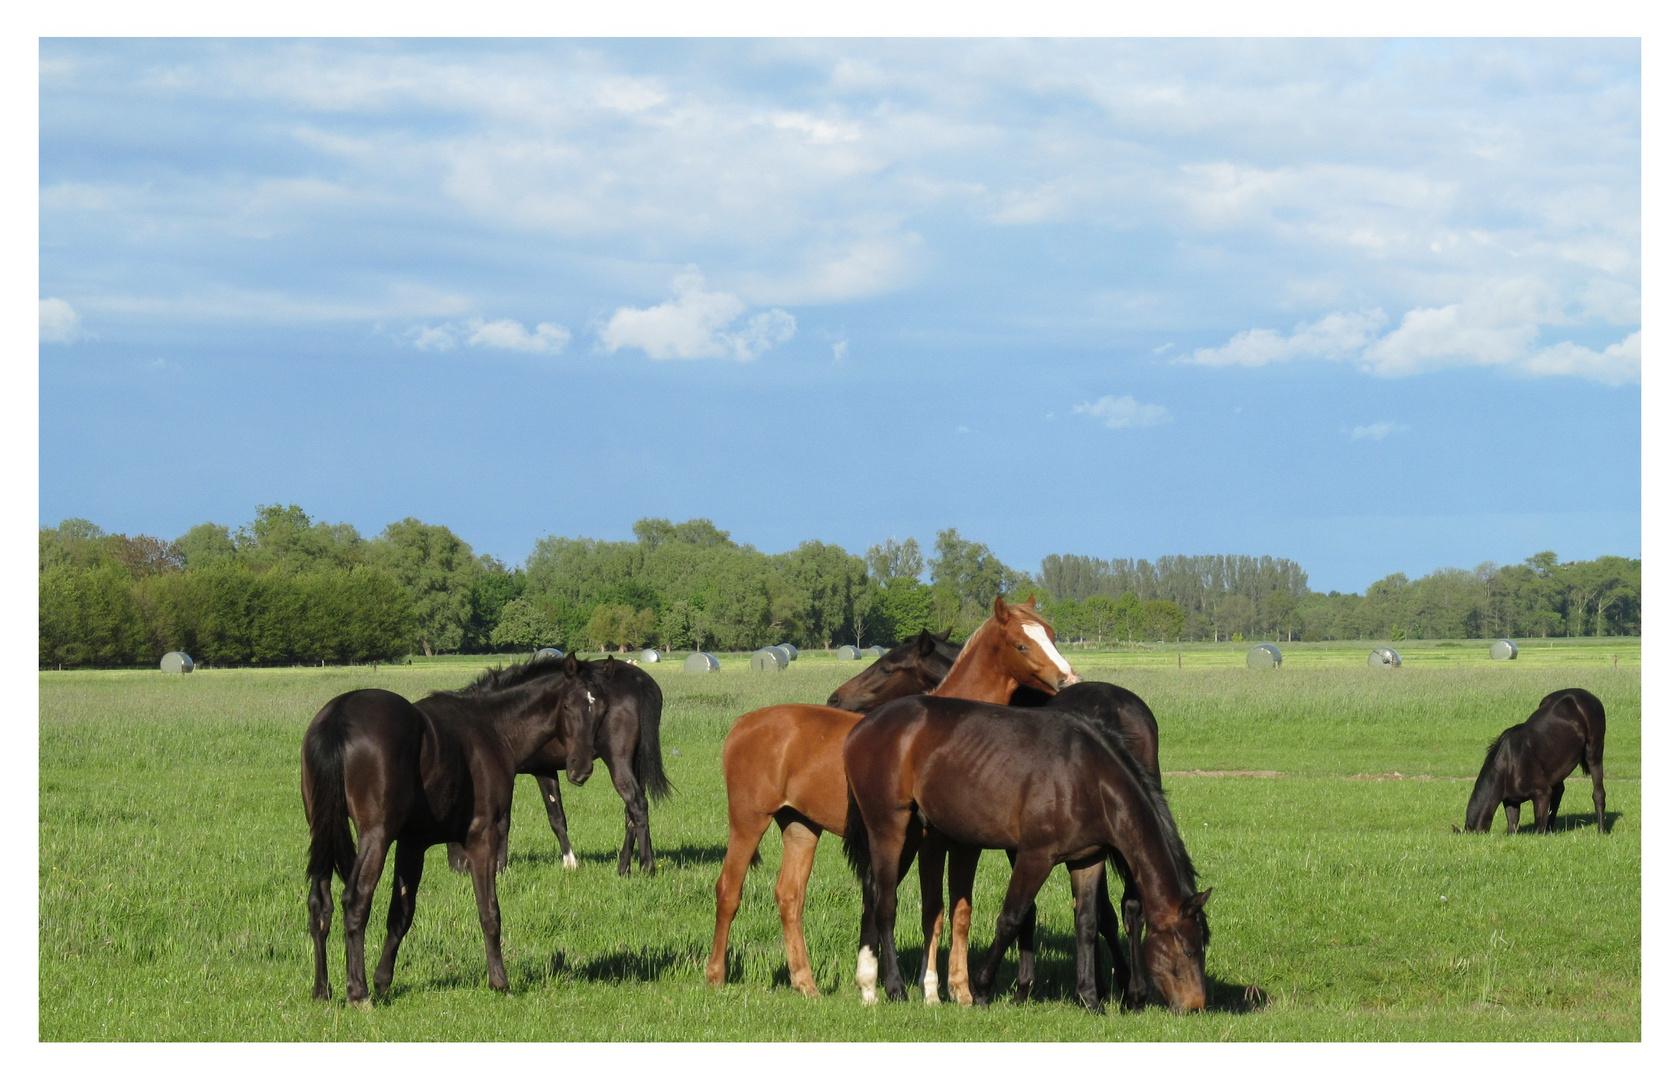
{"x": 650, "y": 761}
{"x": 856, "y": 840}
{"x": 331, "y": 847}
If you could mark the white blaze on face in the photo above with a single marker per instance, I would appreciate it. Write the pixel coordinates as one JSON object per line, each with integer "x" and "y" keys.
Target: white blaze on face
{"x": 590, "y": 696}
{"x": 866, "y": 973}
{"x": 1036, "y": 632}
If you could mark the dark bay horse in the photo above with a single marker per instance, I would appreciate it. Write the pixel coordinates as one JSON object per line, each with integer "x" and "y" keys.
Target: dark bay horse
{"x": 1055, "y": 786}
{"x": 1530, "y": 760}
{"x": 918, "y": 665}
{"x": 627, "y": 739}
{"x": 415, "y": 774}
{"x": 783, "y": 764}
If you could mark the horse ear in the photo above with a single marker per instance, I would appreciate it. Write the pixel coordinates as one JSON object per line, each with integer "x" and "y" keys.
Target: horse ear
{"x": 1000, "y": 610}
{"x": 607, "y": 665}
{"x": 1195, "y": 903}
{"x": 945, "y": 634}
{"x": 1032, "y": 601}
{"x": 571, "y": 662}
{"x": 924, "y": 643}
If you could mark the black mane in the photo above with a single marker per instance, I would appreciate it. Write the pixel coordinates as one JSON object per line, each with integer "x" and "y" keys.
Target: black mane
{"x": 497, "y": 678}
{"x": 1155, "y": 797}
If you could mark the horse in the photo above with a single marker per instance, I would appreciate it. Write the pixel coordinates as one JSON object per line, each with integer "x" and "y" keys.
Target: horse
{"x": 421, "y": 773}
{"x": 918, "y": 664}
{"x": 783, "y": 764}
{"x": 1055, "y": 786}
{"x": 1530, "y": 760}
{"x": 627, "y": 739}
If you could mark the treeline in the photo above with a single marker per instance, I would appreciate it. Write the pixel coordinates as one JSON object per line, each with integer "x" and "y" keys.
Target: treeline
{"x": 286, "y": 589}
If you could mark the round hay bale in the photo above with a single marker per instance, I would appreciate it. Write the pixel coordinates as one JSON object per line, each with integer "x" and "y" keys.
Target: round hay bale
{"x": 700, "y": 661}
{"x": 1383, "y": 656}
{"x": 1265, "y": 657}
{"x": 875, "y": 652}
{"x": 1503, "y": 649}
{"x": 771, "y": 659}
{"x": 649, "y": 656}
{"x": 555, "y": 654}
{"x": 788, "y": 647}
{"x": 849, "y": 652}
{"x": 176, "y": 663}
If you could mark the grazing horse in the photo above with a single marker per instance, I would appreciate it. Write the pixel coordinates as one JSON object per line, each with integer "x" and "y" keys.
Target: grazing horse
{"x": 782, "y": 764}
{"x": 627, "y": 739}
{"x": 416, "y": 774}
{"x": 1055, "y": 786}
{"x": 1530, "y": 760}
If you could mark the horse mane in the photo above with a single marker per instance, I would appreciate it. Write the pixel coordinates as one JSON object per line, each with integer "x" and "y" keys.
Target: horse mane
{"x": 514, "y": 675}
{"x": 1154, "y": 798}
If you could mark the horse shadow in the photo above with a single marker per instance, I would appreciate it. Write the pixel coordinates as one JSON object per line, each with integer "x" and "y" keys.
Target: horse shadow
{"x": 683, "y": 857}
{"x": 646, "y": 964}
{"x": 1571, "y": 822}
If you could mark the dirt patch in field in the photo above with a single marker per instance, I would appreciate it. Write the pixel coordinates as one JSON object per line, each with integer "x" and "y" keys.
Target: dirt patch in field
{"x": 1404, "y": 776}
{"x": 1263, "y": 774}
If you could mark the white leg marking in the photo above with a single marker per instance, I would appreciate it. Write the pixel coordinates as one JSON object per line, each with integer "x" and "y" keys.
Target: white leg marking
{"x": 553, "y": 798}
{"x": 930, "y": 986}
{"x": 867, "y": 970}
{"x": 569, "y": 861}
{"x": 1042, "y": 639}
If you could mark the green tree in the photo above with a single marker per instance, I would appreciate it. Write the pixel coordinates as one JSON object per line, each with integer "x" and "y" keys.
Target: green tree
{"x": 206, "y": 545}
{"x": 1162, "y": 619}
{"x": 438, "y": 571}
{"x": 892, "y": 559}
{"x": 523, "y": 626}
{"x": 284, "y": 538}
{"x": 87, "y": 616}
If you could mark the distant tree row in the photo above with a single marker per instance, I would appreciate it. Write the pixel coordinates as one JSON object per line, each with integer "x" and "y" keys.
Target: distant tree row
{"x": 284, "y": 588}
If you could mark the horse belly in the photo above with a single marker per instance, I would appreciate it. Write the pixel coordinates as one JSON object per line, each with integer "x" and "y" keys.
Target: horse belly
{"x": 970, "y": 809}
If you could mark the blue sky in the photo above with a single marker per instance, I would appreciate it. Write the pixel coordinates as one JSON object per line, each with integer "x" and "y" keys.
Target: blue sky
{"x": 1370, "y": 305}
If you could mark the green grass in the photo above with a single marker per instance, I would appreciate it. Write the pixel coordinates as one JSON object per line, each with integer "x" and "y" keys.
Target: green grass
{"x": 172, "y": 842}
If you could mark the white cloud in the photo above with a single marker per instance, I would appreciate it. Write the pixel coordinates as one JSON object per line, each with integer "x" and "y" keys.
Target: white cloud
{"x": 1615, "y": 364}
{"x": 1380, "y": 430}
{"x": 506, "y": 334}
{"x": 1123, "y": 412}
{"x": 842, "y": 349}
{"x": 60, "y": 324}
{"x": 1333, "y": 337}
{"x": 696, "y": 325}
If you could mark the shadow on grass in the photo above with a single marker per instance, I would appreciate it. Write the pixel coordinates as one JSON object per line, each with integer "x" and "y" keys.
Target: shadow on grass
{"x": 682, "y": 857}
{"x": 648, "y": 964}
{"x": 1571, "y": 822}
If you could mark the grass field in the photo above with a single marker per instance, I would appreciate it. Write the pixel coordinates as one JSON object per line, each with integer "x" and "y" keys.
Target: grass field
{"x": 1316, "y": 799}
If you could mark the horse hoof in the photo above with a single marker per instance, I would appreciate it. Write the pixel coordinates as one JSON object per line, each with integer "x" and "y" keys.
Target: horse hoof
{"x": 322, "y": 993}
{"x": 808, "y": 988}
{"x": 569, "y": 861}
{"x": 365, "y": 1004}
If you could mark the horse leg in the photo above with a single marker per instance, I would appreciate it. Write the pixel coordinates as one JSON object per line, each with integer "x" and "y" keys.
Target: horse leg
{"x": 481, "y": 855}
{"x": 1542, "y": 810}
{"x": 358, "y": 900}
{"x": 411, "y": 859}
{"x": 964, "y": 860}
{"x": 745, "y": 831}
{"x": 1026, "y": 945}
{"x": 932, "y": 872}
{"x": 1131, "y": 907}
{"x": 799, "y": 851}
{"x": 549, "y": 785}
{"x": 1513, "y": 814}
{"x": 1030, "y": 871}
{"x": 1087, "y": 883}
{"x": 1557, "y": 800}
{"x": 878, "y": 956}
{"x": 635, "y": 812}
{"x": 1597, "y": 770}
{"x": 320, "y": 921}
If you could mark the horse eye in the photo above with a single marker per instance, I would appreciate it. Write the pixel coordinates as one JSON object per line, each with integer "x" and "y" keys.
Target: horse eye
{"x": 1022, "y": 648}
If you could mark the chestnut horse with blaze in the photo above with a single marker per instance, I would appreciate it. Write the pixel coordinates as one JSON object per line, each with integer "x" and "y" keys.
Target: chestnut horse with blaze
{"x": 783, "y": 764}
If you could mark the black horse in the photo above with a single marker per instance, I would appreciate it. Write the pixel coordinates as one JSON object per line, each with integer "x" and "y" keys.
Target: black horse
{"x": 627, "y": 739}
{"x": 1051, "y": 784}
{"x": 416, "y": 774}
{"x": 1530, "y": 760}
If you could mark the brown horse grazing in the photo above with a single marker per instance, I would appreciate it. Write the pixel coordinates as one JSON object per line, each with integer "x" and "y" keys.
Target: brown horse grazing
{"x": 416, "y": 774}
{"x": 627, "y": 739}
{"x": 1054, "y": 786}
{"x": 916, "y": 666}
{"x": 782, "y": 764}
{"x": 1530, "y": 760}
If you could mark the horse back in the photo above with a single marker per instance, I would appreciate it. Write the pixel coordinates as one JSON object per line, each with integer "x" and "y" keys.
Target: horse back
{"x": 1583, "y": 709}
{"x": 790, "y": 755}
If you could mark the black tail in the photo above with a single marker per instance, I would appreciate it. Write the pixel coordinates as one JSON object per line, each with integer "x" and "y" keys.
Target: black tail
{"x": 856, "y": 841}
{"x": 331, "y": 847}
{"x": 650, "y": 761}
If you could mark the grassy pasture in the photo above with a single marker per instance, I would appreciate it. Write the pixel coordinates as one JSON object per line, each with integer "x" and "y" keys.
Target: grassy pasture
{"x": 172, "y": 843}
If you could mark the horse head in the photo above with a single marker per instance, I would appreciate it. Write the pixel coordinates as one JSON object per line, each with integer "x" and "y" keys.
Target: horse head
{"x": 1175, "y": 955}
{"x": 583, "y": 702}
{"x": 1026, "y": 646}
{"x": 913, "y": 667}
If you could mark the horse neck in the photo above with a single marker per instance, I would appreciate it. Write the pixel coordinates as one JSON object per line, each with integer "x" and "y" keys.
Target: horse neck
{"x": 977, "y": 674}
{"x": 1148, "y": 852}
{"x": 525, "y": 717}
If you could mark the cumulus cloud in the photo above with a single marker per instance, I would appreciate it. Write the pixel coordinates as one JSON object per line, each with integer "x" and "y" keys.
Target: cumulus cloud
{"x": 697, "y": 325}
{"x": 1123, "y": 412}
{"x": 1333, "y": 337}
{"x": 60, "y": 324}
{"x": 508, "y": 334}
{"x": 1380, "y": 430}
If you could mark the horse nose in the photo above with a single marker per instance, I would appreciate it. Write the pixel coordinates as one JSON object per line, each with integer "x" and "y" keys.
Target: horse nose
{"x": 1070, "y": 678}
{"x": 834, "y": 700}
